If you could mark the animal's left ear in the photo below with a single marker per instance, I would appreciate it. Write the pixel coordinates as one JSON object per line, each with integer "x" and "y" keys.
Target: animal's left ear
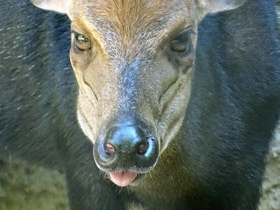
{"x": 212, "y": 6}
{"x": 60, "y": 6}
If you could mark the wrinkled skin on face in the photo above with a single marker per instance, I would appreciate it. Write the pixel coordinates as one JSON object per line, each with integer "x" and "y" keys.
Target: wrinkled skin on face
{"x": 133, "y": 61}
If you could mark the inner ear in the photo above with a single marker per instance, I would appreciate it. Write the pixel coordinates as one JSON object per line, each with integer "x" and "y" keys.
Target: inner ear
{"x": 60, "y": 6}
{"x": 212, "y": 6}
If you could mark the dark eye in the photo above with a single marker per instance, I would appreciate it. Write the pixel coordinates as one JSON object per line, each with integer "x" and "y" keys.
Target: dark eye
{"x": 82, "y": 42}
{"x": 182, "y": 42}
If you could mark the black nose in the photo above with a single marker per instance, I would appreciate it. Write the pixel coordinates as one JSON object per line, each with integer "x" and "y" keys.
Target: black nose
{"x": 126, "y": 147}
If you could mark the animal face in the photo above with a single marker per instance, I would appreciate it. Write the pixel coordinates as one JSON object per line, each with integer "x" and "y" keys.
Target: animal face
{"x": 133, "y": 61}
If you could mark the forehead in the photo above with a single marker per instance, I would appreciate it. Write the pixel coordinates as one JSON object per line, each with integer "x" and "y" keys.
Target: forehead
{"x": 124, "y": 15}
{"x": 130, "y": 21}
{"x": 127, "y": 10}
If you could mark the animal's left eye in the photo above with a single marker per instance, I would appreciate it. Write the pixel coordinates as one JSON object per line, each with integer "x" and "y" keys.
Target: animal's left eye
{"x": 82, "y": 42}
{"x": 182, "y": 42}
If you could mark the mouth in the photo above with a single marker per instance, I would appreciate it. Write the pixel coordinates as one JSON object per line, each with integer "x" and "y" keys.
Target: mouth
{"x": 124, "y": 178}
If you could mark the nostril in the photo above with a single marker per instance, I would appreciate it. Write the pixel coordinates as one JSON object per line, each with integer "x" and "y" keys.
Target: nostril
{"x": 126, "y": 147}
{"x": 143, "y": 148}
{"x": 109, "y": 149}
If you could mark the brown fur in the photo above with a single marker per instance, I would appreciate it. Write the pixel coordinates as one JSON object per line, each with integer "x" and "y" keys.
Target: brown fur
{"x": 133, "y": 25}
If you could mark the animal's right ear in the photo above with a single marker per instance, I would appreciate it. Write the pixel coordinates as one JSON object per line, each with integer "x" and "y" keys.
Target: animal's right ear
{"x": 60, "y": 6}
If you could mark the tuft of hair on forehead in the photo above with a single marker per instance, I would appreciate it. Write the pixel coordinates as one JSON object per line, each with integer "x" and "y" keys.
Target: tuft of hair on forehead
{"x": 127, "y": 15}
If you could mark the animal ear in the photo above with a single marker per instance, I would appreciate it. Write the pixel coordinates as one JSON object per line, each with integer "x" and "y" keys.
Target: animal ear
{"x": 60, "y": 6}
{"x": 211, "y": 6}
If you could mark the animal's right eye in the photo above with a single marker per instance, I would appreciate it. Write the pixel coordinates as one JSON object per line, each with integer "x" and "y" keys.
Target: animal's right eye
{"x": 82, "y": 42}
{"x": 182, "y": 42}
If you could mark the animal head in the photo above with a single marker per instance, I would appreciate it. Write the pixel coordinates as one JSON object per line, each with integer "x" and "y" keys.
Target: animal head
{"x": 133, "y": 61}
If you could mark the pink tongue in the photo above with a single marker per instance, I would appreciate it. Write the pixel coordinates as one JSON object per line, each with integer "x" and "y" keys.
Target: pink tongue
{"x": 123, "y": 178}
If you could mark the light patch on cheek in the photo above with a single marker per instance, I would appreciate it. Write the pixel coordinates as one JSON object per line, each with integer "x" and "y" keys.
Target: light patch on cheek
{"x": 81, "y": 114}
{"x": 77, "y": 72}
{"x": 94, "y": 116}
{"x": 85, "y": 126}
{"x": 171, "y": 134}
{"x": 172, "y": 120}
